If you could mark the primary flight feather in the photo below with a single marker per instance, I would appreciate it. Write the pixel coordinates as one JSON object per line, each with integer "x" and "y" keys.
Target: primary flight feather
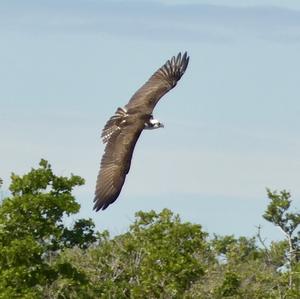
{"x": 124, "y": 128}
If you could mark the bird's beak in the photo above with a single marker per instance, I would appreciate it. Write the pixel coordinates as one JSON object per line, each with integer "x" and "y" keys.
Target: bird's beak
{"x": 161, "y": 125}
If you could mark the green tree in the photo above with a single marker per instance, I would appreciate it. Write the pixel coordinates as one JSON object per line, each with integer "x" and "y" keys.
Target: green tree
{"x": 246, "y": 270}
{"x": 278, "y": 213}
{"x": 32, "y": 232}
{"x": 160, "y": 257}
{"x": 240, "y": 271}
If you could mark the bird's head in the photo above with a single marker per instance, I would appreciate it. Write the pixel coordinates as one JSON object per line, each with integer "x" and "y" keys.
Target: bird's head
{"x": 153, "y": 124}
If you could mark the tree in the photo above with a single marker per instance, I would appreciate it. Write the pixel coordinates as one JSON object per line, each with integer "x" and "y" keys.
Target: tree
{"x": 240, "y": 271}
{"x": 32, "y": 232}
{"x": 278, "y": 213}
{"x": 159, "y": 257}
{"x": 246, "y": 270}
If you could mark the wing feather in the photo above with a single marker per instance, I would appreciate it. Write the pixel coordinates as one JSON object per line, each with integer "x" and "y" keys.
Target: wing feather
{"x": 162, "y": 81}
{"x": 114, "y": 124}
{"x": 115, "y": 163}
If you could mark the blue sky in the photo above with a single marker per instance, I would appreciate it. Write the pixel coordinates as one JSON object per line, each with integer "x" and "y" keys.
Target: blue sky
{"x": 231, "y": 124}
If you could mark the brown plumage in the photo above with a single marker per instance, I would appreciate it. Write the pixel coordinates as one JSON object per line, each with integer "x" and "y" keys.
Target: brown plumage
{"x": 123, "y": 129}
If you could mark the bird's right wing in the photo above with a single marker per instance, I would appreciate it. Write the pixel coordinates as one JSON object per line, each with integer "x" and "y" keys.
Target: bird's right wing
{"x": 162, "y": 81}
{"x": 121, "y": 134}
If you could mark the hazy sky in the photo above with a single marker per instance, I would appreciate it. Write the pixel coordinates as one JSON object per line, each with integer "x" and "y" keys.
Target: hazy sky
{"x": 231, "y": 124}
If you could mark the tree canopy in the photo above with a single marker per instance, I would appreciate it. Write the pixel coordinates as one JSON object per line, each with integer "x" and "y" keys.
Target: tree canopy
{"x": 33, "y": 235}
{"x": 160, "y": 256}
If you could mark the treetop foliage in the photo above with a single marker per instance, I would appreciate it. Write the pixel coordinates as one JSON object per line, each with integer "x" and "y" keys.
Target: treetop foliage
{"x": 160, "y": 256}
{"x": 32, "y": 232}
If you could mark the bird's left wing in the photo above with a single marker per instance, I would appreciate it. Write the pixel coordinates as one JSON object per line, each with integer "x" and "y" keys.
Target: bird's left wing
{"x": 121, "y": 133}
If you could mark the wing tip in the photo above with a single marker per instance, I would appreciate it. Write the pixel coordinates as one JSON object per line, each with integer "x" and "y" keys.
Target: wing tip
{"x": 183, "y": 61}
{"x": 177, "y": 65}
{"x": 100, "y": 205}
{"x": 102, "y": 201}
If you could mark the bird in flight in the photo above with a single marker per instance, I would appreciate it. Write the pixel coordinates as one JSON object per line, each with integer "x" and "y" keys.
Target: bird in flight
{"x": 124, "y": 128}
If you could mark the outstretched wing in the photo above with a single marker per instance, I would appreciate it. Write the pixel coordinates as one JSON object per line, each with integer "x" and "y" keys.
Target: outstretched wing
{"x": 123, "y": 129}
{"x": 163, "y": 80}
{"x": 121, "y": 133}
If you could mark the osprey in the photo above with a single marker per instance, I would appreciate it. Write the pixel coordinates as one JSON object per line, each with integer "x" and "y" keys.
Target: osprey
{"x": 124, "y": 128}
